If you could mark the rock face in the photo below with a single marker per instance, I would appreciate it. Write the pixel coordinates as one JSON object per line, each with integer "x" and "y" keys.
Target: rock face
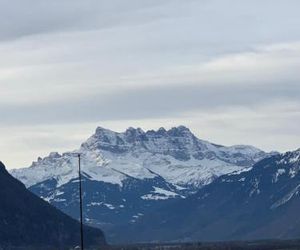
{"x": 28, "y": 221}
{"x": 128, "y": 174}
{"x": 262, "y": 203}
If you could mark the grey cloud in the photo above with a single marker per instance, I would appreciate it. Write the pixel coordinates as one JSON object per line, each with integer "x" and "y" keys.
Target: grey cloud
{"x": 202, "y": 21}
{"x": 23, "y": 18}
{"x": 151, "y": 102}
{"x": 144, "y": 60}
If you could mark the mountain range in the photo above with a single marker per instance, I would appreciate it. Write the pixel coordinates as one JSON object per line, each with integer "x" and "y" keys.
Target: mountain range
{"x": 128, "y": 175}
{"x": 262, "y": 203}
{"x": 27, "y": 221}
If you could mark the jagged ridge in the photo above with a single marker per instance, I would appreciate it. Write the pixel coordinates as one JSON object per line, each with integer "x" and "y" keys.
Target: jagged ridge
{"x": 175, "y": 154}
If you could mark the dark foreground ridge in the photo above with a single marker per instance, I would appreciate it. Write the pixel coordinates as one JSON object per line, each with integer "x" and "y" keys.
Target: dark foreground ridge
{"x": 27, "y": 221}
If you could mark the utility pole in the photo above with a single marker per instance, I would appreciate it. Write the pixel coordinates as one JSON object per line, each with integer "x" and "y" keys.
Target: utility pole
{"x": 80, "y": 202}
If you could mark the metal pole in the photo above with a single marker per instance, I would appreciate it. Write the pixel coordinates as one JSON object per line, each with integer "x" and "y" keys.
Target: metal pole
{"x": 80, "y": 201}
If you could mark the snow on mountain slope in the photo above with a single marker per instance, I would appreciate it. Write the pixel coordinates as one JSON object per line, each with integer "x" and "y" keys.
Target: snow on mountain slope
{"x": 175, "y": 155}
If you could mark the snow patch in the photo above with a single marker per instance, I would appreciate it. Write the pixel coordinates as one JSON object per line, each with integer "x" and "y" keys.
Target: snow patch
{"x": 160, "y": 194}
{"x": 279, "y": 172}
{"x": 286, "y": 198}
{"x": 109, "y": 206}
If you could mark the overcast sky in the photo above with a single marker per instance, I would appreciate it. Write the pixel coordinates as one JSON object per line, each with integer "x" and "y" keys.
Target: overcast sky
{"x": 228, "y": 69}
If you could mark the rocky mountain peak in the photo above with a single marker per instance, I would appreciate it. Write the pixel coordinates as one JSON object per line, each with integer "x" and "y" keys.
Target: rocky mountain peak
{"x": 105, "y": 138}
{"x": 54, "y": 155}
{"x": 100, "y": 131}
{"x": 137, "y": 131}
{"x": 295, "y": 154}
{"x": 161, "y": 131}
{"x": 179, "y": 131}
{"x": 291, "y": 158}
{"x": 132, "y": 135}
{"x": 102, "y": 136}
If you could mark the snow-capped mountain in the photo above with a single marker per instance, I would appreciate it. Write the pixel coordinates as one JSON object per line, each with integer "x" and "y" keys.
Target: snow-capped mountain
{"x": 175, "y": 155}
{"x": 262, "y": 203}
{"x": 128, "y": 174}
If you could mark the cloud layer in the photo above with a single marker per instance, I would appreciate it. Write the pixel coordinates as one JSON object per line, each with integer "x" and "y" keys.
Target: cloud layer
{"x": 228, "y": 69}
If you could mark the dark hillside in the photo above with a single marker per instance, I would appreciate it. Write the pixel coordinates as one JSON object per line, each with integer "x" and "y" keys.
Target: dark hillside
{"x": 27, "y": 220}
